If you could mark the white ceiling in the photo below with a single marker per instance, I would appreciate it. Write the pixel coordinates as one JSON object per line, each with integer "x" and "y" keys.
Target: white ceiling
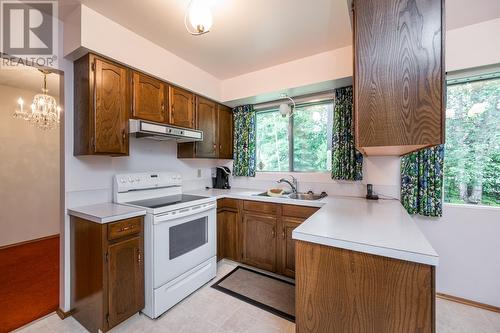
{"x": 460, "y": 13}
{"x": 249, "y": 35}
{"x": 28, "y": 78}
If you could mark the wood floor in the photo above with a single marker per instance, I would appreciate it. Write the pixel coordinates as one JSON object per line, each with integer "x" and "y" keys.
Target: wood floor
{"x": 29, "y": 282}
{"x": 210, "y": 311}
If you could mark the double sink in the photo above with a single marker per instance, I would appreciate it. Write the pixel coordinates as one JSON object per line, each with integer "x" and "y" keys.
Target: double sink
{"x": 296, "y": 196}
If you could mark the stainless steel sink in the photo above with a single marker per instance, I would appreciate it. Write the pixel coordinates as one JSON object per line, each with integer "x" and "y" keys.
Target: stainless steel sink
{"x": 296, "y": 196}
{"x": 307, "y": 196}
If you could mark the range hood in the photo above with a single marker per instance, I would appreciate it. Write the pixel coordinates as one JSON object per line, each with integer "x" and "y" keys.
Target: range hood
{"x": 163, "y": 132}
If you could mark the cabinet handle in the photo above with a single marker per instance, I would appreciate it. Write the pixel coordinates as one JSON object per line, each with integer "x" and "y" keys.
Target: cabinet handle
{"x": 283, "y": 234}
{"x": 139, "y": 256}
{"x": 215, "y": 147}
{"x": 124, "y": 135}
{"x": 129, "y": 227}
{"x": 274, "y": 232}
{"x": 162, "y": 106}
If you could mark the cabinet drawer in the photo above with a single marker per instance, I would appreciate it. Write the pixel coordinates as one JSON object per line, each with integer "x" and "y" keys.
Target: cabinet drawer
{"x": 124, "y": 228}
{"x": 227, "y": 203}
{"x": 298, "y": 211}
{"x": 260, "y": 207}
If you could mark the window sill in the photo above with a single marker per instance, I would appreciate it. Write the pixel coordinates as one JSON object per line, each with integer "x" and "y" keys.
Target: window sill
{"x": 471, "y": 206}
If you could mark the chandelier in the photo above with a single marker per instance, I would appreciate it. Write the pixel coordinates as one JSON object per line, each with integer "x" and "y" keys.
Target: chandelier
{"x": 43, "y": 112}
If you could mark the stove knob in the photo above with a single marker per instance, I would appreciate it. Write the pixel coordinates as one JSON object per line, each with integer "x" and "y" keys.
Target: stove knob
{"x": 130, "y": 179}
{"x": 123, "y": 180}
{"x": 137, "y": 179}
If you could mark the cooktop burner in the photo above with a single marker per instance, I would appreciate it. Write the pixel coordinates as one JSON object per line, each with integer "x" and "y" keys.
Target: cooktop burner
{"x": 166, "y": 201}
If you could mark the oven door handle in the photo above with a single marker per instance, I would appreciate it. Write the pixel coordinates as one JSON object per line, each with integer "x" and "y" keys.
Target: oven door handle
{"x": 183, "y": 212}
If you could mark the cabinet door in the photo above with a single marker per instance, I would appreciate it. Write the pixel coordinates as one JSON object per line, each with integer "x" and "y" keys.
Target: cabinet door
{"x": 259, "y": 241}
{"x": 398, "y": 75}
{"x": 110, "y": 108}
{"x": 148, "y": 98}
{"x": 206, "y": 120}
{"x": 287, "y": 264}
{"x": 125, "y": 280}
{"x": 225, "y": 132}
{"x": 181, "y": 107}
{"x": 227, "y": 235}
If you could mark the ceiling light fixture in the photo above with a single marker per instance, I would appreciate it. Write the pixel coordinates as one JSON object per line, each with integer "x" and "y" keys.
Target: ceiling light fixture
{"x": 44, "y": 112}
{"x": 199, "y": 16}
{"x": 285, "y": 109}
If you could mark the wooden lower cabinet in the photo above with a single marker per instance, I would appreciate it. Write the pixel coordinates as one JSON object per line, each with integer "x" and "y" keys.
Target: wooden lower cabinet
{"x": 107, "y": 270}
{"x": 259, "y": 240}
{"x": 339, "y": 290}
{"x": 287, "y": 266}
{"x": 259, "y": 233}
{"x": 227, "y": 234}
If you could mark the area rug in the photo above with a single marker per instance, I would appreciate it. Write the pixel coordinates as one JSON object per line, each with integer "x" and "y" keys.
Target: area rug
{"x": 267, "y": 292}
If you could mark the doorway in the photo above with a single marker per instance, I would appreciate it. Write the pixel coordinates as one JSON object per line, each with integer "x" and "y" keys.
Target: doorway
{"x": 30, "y": 195}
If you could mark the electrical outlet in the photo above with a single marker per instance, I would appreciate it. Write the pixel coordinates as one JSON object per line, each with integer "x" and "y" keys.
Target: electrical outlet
{"x": 199, "y": 173}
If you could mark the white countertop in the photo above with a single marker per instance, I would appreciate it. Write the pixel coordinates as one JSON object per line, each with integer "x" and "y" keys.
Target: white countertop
{"x": 381, "y": 227}
{"x": 106, "y": 212}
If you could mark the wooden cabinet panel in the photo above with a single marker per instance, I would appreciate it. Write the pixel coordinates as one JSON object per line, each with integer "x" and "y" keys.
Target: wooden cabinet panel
{"x": 398, "y": 75}
{"x": 227, "y": 203}
{"x": 101, "y": 107}
{"x": 206, "y": 120}
{"x": 339, "y": 290}
{"x": 107, "y": 272}
{"x": 287, "y": 263}
{"x": 125, "y": 280}
{"x": 124, "y": 228}
{"x": 181, "y": 107}
{"x": 149, "y": 98}
{"x": 260, "y": 207}
{"x": 225, "y": 132}
{"x": 298, "y": 211}
{"x": 259, "y": 241}
{"x": 227, "y": 234}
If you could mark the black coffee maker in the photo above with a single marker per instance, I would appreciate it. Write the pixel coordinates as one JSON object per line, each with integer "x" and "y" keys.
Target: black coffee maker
{"x": 220, "y": 177}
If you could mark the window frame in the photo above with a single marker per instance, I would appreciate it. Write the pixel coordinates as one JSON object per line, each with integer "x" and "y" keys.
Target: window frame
{"x": 290, "y": 129}
{"x": 464, "y": 77}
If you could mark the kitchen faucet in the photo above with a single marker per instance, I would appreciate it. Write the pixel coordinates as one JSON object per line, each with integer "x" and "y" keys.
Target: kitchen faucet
{"x": 293, "y": 184}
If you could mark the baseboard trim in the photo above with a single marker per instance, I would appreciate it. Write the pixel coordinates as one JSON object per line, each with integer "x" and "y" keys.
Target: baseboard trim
{"x": 29, "y": 241}
{"x": 468, "y": 302}
{"x": 63, "y": 315}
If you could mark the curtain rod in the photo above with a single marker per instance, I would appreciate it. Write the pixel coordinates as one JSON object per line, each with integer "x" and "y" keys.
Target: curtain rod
{"x": 309, "y": 98}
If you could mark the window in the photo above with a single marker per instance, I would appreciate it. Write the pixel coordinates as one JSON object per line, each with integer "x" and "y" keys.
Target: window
{"x": 472, "y": 151}
{"x": 301, "y": 143}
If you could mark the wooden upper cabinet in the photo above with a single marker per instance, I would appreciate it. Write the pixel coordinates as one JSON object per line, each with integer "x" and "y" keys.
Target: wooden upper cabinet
{"x": 101, "y": 107}
{"x": 206, "y": 120}
{"x": 149, "y": 98}
{"x": 225, "y": 131}
{"x": 398, "y": 75}
{"x": 181, "y": 107}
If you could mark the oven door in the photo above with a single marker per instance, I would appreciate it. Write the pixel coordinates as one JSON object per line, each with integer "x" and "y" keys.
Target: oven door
{"x": 183, "y": 239}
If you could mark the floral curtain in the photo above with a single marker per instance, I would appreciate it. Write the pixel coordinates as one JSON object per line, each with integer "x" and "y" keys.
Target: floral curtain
{"x": 244, "y": 141}
{"x": 422, "y": 181}
{"x": 347, "y": 162}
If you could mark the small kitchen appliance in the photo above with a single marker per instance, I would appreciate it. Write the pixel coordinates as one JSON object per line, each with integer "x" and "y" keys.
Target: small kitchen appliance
{"x": 220, "y": 177}
{"x": 179, "y": 236}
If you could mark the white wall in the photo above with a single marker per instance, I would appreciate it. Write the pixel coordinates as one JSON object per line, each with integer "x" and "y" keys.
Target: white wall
{"x": 102, "y": 35}
{"x": 29, "y": 174}
{"x": 466, "y": 239}
{"x": 472, "y": 46}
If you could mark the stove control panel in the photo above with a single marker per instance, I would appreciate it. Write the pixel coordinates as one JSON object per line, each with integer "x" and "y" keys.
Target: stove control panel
{"x": 146, "y": 180}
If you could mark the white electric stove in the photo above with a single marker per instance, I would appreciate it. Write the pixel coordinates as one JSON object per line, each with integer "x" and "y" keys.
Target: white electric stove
{"x": 179, "y": 236}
